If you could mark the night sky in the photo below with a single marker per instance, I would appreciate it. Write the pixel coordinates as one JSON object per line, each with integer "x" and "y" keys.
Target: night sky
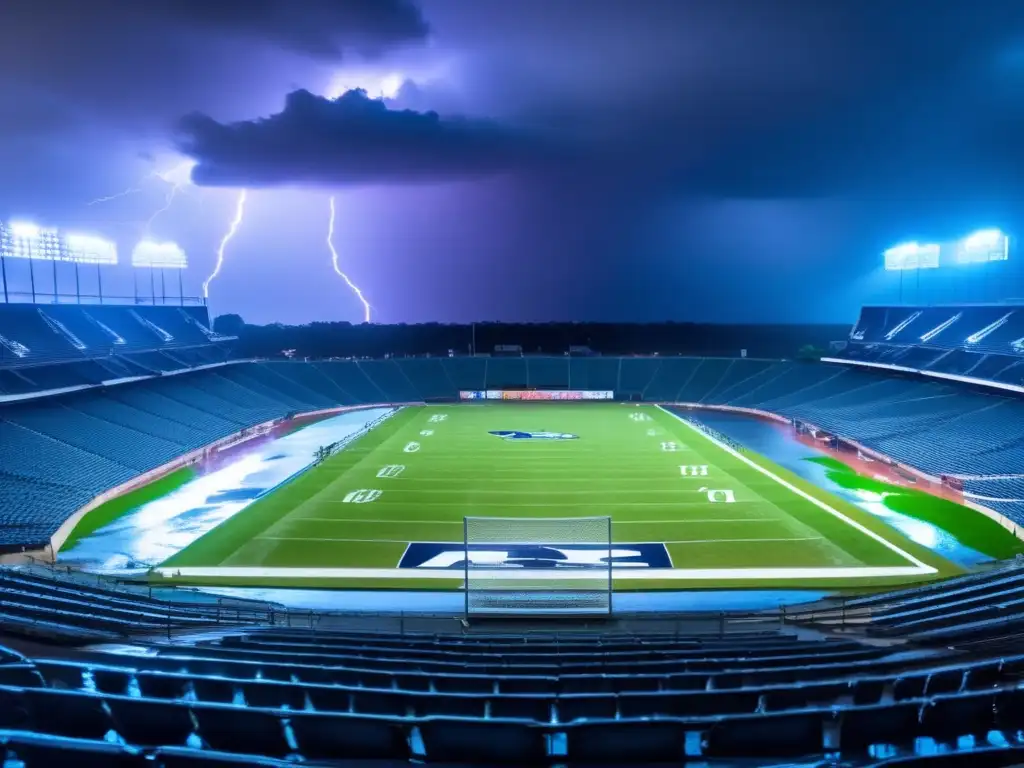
{"x": 722, "y": 160}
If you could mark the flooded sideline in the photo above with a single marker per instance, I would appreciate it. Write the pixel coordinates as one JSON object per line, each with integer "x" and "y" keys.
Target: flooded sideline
{"x": 877, "y": 492}
{"x": 160, "y": 527}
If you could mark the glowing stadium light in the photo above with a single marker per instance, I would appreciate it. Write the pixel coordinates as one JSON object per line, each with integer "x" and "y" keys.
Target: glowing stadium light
{"x": 334, "y": 261}
{"x": 912, "y": 256}
{"x": 25, "y": 240}
{"x": 89, "y": 249}
{"x": 983, "y": 245}
{"x": 236, "y": 222}
{"x": 153, "y": 255}
{"x": 25, "y": 230}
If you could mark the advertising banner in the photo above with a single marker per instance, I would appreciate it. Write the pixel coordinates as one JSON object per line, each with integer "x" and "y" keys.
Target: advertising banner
{"x": 536, "y": 394}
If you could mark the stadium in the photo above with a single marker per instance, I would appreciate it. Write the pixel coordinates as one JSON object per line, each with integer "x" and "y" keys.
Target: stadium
{"x": 634, "y": 546}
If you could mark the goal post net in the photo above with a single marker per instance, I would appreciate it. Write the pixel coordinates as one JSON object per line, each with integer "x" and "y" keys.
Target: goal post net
{"x": 515, "y": 566}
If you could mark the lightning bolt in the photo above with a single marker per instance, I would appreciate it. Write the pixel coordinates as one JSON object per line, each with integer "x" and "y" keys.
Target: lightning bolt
{"x": 178, "y": 177}
{"x": 108, "y": 198}
{"x": 232, "y": 231}
{"x": 337, "y": 269}
{"x": 168, "y": 199}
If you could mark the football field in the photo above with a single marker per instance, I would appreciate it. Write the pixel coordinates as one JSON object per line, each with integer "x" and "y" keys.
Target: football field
{"x": 687, "y": 510}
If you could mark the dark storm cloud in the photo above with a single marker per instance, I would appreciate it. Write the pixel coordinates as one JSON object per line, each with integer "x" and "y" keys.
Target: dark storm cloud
{"x": 137, "y": 66}
{"x": 317, "y": 27}
{"x": 351, "y": 140}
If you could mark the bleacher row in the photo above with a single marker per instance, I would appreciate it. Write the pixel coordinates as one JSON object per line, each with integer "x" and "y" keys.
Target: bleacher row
{"x": 277, "y": 695}
{"x": 63, "y": 346}
{"x": 504, "y": 700}
{"x": 59, "y": 452}
{"x": 982, "y": 341}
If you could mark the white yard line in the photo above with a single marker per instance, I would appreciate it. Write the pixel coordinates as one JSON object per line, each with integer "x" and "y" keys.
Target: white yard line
{"x": 920, "y": 566}
{"x": 416, "y": 521}
{"x": 547, "y": 574}
{"x": 733, "y": 541}
{"x": 459, "y": 543}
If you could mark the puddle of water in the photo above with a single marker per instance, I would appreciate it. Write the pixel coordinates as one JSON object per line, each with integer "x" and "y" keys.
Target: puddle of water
{"x": 162, "y": 527}
{"x": 778, "y": 444}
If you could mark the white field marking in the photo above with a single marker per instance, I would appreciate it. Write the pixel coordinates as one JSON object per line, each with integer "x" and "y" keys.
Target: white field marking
{"x": 549, "y": 505}
{"x": 731, "y": 541}
{"x": 668, "y": 490}
{"x": 617, "y": 543}
{"x": 426, "y": 432}
{"x": 362, "y": 496}
{"x": 549, "y": 574}
{"x": 920, "y": 567}
{"x": 379, "y": 521}
{"x": 411, "y": 447}
{"x": 329, "y": 538}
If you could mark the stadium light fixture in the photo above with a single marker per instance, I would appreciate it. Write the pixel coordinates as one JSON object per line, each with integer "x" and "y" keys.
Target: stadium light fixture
{"x": 984, "y": 238}
{"x": 912, "y": 256}
{"x": 25, "y": 230}
{"x": 983, "y": 245}
{"x": 153, "y": 255}
{"x": 89, "y": 249}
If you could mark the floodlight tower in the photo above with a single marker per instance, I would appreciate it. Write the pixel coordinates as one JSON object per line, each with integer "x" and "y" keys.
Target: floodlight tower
{"x": 88, "y": 249}
{"x": 32, "y": 242}
{"x": 153, "y": 256}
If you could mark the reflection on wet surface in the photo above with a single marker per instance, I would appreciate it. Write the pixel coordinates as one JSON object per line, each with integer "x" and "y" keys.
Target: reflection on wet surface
{"x": 778, "y": 443}
{"x": 159, "y": 528}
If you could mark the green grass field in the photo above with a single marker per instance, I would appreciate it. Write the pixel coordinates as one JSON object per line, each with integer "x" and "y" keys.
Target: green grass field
{"x": 405, "y": 488}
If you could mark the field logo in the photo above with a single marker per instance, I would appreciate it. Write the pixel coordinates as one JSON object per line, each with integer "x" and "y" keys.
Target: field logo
{"x": 391, "y": 470}
{"x": 693, "y": 470}
{"x": 411, "y": 447}
{"x": 534, "y": 556}
{"x": 362, "y": 496}
{"x": 719, "y": 496}
{"x": 516, "y": 434}
{"x": 437, "y": 418}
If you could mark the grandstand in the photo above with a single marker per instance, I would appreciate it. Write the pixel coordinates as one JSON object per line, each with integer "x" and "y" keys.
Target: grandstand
{"x": 921, "y": 676}
{"x": 99, "y": 437}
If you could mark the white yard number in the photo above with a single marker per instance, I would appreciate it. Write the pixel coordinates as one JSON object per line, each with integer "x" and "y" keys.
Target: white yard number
{"x": 693, "y": 470}
{"x": 391, "y": 470}
{"x": 670, "y": 447}
{"x": 411, "y": 447}
{"x": 652, "y": 432}
{"x": 426, "y": 432}
{"x": 720, "y": 496}
{"x": 362, "y": 496}
{"x": 639, "y": 417}
{"x": 437, "y": 418}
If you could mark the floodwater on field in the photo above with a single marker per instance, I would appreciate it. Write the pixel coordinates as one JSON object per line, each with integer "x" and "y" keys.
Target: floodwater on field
{"x": 161, "y": 527}
{"x": 779, "y": 443}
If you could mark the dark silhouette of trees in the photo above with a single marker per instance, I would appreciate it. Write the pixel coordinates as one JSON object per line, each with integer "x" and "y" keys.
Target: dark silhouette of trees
{"x": 322, "y": 340}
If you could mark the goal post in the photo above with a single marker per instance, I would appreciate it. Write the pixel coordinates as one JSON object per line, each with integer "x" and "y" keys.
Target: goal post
{"x": 529, "y": 566}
